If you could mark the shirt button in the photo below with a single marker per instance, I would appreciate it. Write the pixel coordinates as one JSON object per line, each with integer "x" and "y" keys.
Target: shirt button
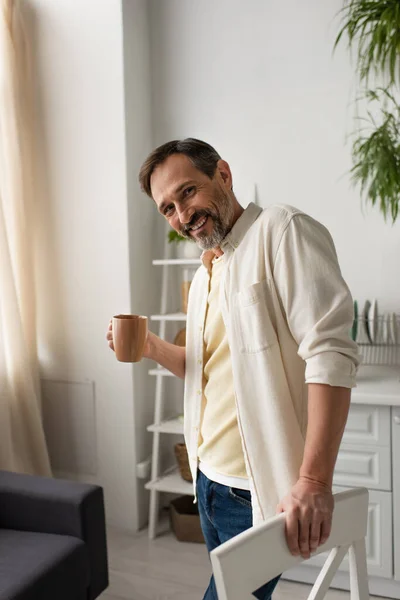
{"x": 199, "y": 361}
{"x": 199, "y": 392}
{"x": 200, "y": 328}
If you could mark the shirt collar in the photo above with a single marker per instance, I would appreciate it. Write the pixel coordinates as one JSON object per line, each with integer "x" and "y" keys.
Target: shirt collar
{"x": 236, "y": 234}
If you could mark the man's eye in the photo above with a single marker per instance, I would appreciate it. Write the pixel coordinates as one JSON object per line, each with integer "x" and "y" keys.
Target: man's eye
{"x": 188, "y": 191}
{"x": 168, "y": 210}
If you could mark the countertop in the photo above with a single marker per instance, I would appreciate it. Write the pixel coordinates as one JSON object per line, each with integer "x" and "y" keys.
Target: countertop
{"x": 378, "y": 385}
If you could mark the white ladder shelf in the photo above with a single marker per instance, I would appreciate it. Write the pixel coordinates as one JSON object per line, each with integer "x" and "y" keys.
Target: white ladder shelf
{"x": 170, "y": 480}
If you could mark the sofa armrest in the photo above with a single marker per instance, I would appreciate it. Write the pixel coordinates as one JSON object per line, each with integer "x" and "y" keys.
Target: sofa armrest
{"x": 45, "y": 505}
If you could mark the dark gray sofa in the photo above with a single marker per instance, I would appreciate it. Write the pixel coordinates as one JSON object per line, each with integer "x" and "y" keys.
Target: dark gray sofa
{"x": 52, "y": 539}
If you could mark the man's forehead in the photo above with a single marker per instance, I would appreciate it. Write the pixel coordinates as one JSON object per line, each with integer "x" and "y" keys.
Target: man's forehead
{"x": 170, "y": 174}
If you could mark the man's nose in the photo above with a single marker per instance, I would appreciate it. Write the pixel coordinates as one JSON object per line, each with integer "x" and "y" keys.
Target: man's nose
{"x": 186, "y": 215}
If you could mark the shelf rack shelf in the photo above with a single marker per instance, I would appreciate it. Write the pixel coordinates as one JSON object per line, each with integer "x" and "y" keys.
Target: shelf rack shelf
{"x": 170, "y": 480}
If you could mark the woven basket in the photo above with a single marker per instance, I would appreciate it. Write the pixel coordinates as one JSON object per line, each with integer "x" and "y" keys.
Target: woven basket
{"x": 183, "y": 461}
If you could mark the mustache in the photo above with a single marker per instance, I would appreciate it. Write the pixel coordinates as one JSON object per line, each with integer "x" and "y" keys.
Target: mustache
{"x": 196, "y": 217}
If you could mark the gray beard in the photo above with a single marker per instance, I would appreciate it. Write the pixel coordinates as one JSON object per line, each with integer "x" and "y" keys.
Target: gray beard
{"x": 207, "y": 242}
{"x": 221, "y": 228}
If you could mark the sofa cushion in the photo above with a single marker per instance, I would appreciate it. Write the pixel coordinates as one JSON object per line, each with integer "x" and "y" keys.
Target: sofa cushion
{"x": 41, "y": 566}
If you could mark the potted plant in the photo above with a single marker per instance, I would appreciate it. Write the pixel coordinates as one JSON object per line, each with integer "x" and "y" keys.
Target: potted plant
{"x": 376, "y": 153}
{"x": 373, "y": 29}
{"x": 184, "y": 248}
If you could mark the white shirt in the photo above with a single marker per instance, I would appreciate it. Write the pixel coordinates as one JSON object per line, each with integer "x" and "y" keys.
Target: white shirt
{"x": 288, "y": 314}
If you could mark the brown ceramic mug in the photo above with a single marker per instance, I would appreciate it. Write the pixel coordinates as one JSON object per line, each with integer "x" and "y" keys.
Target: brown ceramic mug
{"x": 129, "y": 337}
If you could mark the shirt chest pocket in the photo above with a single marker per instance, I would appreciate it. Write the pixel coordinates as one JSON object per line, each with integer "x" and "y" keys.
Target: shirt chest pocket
{"x": 255, "y": 331}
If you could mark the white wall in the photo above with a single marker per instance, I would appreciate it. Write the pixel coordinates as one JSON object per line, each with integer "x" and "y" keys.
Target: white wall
{"x": 258, "y": 81}
{"x": 145, "y": 279}
{"x": 87, "y": 248}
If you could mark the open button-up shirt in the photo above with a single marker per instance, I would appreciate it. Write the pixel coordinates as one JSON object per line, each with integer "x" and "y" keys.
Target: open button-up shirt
{"x": 288, "y": 314}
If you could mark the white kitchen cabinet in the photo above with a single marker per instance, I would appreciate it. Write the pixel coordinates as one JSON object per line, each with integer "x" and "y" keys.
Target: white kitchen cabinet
{"x": 380, "y": 534}
{"x": 369, "y": 456}
{"x": 396, "y": 488}
{"x": 364, "y": 458}
{"x": 379, "y": 541}
{"x": 368, "y": 425}
{"x": 367, "y": 466}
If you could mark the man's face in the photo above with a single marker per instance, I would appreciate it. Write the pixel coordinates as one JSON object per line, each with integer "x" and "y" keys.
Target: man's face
{"x": 188, "y": 198}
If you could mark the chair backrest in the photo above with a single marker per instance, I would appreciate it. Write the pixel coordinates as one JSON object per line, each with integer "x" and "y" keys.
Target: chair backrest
{"x": 247, "y": 561}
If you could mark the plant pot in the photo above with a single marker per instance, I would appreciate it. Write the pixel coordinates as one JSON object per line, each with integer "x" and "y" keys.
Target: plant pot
{"x": 187, "y": 250}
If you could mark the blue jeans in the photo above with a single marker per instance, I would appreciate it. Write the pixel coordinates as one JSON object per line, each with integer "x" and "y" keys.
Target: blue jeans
{"x": 224, "y": 513}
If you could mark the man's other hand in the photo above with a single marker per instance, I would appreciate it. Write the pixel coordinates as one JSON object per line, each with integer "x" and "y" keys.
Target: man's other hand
{"x": 309, "y": 508}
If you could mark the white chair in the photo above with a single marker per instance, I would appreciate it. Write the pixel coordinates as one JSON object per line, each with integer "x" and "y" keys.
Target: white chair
{"x": 244, "y": 563}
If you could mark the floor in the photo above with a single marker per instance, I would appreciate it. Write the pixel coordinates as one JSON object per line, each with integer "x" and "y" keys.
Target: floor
{"x": 165, "y": 569}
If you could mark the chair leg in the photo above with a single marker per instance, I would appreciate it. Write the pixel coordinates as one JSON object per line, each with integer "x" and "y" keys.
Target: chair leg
{"x": 327, "y": 573}
{"x": 358, "y": 571}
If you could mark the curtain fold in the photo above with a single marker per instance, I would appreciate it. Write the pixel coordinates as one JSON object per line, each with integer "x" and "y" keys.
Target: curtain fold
{"x": 22, "y": 440}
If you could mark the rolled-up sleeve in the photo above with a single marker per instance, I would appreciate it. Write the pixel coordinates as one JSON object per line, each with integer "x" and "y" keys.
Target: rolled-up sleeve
{"x": 317, "y": 302}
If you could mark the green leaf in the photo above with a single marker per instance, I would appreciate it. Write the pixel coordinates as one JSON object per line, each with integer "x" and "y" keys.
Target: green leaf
{"x": 173, "y": 236}
{"x": 376, "y": 154}
{"x": 373, "y": 28}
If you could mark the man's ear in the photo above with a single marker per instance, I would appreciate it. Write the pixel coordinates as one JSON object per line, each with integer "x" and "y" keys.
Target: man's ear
{"x": 225, "y": 173}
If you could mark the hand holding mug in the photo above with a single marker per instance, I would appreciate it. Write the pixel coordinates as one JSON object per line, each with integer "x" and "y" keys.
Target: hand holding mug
{"x": 127, "y": 335}
{"x": 109, "y": 336}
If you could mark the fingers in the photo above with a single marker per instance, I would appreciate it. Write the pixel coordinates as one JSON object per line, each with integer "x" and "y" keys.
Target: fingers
{"x": 109, "y": 336}
{"x": 110, "y": 340}
{"x": 312, "y": 534}
{"x": 325, "y": 530}
{"x": 304, "y": 536}
{"x": 308, "y": 512}
{"x": 292, "y": 532}
{"x": 315, "y": 534}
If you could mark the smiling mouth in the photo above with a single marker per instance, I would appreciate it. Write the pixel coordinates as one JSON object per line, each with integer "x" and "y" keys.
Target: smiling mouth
{"x": 200, "y": 225}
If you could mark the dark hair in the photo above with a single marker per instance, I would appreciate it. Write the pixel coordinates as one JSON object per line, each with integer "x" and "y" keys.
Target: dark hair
{"x": 202, "y": 156}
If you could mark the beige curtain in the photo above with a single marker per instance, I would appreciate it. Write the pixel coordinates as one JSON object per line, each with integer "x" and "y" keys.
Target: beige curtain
{"x": 22, "y": 441}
